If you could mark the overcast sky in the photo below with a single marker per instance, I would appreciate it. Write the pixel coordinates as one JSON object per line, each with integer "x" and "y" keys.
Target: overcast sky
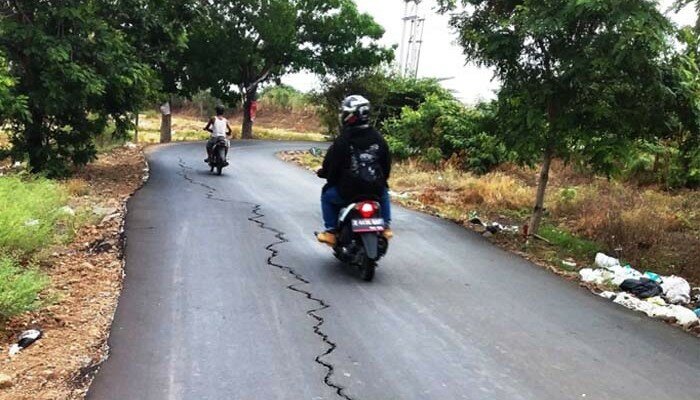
{"x": 440, "y": 56}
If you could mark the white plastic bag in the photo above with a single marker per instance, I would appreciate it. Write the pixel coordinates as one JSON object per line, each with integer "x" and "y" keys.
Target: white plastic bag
{"x": 597, "y": 276}
{"x": 683, "y": 316}
{"x": 623, "y": 273}
{"x": 605, "y": 261}
{"x": 676, "y": 289}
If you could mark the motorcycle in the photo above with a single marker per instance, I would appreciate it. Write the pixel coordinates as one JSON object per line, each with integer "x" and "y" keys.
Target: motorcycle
{"x": 359, "y": 237}
{"x": 217, "y": 160}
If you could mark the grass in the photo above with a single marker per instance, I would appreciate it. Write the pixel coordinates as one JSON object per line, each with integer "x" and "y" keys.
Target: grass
{"x": 31, "y": 219}
{"x": 569, "y": 244}
{"x": 30, "y": 210}
{"x": 19, "y": 289}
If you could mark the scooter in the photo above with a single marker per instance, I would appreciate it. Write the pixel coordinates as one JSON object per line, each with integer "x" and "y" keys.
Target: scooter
{"x": 359, "y": 237}
{"x": 217, "y": 160}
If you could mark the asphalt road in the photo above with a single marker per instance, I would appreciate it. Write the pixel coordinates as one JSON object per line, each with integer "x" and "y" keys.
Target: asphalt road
{"x": 228, "y": 296}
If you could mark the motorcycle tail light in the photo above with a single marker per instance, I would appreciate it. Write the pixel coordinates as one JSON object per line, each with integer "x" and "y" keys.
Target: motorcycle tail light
{"x": 367, "y": 210}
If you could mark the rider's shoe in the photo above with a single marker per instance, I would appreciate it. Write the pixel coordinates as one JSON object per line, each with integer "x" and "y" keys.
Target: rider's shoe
{"x": 225, "y": 163}
{"x": 388, "y": 233}
{"x": 206, "y": 160}
{"x": 327, "y": 237}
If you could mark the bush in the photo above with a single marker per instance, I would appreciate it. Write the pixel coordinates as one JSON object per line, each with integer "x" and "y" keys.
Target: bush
{"x": 29, "y": 213}
{"x": 284, "y": 98}
{"x": 19, "y": 289}
{"x": 388, "y": 93}
{"x": 443, "y": 128}
{"x": 662, "y": 163}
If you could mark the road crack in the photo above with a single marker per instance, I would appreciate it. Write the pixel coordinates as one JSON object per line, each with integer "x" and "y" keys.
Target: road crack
{"x": 210, "y": 190}
{"x": 313, "y": 313}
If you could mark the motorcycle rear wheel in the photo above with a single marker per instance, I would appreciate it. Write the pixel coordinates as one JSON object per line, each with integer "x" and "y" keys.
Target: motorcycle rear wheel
{"x": 367, "y": 269}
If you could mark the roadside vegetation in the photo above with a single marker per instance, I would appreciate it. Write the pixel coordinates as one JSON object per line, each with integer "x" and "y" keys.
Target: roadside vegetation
{"x": 34, "y": 216}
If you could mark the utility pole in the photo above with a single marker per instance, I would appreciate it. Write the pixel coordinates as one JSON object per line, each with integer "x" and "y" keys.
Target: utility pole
{"x": 410, "y": 50}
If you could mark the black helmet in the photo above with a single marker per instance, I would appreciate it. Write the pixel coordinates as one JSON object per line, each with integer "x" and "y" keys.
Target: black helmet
{"x": 354, "y": 111}
{"x": 220, "y": 110}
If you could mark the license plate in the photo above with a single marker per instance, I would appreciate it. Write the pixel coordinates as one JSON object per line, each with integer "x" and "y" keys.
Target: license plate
{"x": 368, "y": 225}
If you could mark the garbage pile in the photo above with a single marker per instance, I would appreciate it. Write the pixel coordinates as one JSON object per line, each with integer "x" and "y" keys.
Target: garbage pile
{"x": 665, "y": 297}
{"x": 26, "y": 339}
{"x": 493, "y": 228}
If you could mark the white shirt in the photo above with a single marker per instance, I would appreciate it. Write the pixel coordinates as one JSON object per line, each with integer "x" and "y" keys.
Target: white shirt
{"x": 218, "y": 128}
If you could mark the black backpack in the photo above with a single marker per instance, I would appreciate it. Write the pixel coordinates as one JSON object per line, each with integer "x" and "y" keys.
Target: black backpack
{"x": 365, "y": 168}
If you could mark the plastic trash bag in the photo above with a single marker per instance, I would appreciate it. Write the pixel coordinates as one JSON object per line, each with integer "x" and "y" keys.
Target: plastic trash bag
{"x": 642, "y": 288}
{"x": 656, "y": 300}
{"x": 676, "y": 289}
{"x": 25, "y": 340}
{"x": 623, "y": 273}
{"x": 597, "y": 276}
{"x": 654, "y": 277}
{"x": 605, "y": 261}
{"x": 684, "y": 316}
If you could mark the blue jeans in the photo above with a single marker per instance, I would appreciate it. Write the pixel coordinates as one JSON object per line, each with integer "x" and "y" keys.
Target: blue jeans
{"x": 332, "y": 203}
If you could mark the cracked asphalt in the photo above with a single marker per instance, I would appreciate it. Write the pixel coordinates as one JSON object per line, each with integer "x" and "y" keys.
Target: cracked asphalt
{"x": 228, "y": 296}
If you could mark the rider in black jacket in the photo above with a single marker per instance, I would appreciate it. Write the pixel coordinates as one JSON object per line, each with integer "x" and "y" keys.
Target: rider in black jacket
{"x": 342, "y": 185}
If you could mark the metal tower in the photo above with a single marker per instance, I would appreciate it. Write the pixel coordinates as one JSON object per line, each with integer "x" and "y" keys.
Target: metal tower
{"x": 409, "y": 51}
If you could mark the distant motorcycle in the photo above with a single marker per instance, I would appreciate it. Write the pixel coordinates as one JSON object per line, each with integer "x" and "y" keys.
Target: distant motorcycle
{"x": 359, "y": 237}
{"x": 217, "y": 160}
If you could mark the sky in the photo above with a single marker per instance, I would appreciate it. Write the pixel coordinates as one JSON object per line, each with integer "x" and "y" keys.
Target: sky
{"x": 441, "y": 57}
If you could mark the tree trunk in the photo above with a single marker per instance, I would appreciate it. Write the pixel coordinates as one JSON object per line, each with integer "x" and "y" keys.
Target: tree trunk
{"x": 250, "y": 97}
{"x": 136, "y": 129}
{"x": 541, "y": 189}
{"x": 35, "y": 143}
{"x": 166, "y": 123}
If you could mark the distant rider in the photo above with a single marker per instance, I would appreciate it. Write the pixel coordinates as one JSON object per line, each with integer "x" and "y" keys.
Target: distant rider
{"x": 357, "y": 138}
{"x": 219, "y": 128}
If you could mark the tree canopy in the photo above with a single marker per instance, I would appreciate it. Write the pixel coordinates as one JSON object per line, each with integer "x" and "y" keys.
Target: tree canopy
{"x": 77, "y": 73}
{"x": 238, "y": 45}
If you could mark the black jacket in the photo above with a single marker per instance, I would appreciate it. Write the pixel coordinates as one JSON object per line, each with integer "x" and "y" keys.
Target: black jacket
{"x": 336, "y": 165}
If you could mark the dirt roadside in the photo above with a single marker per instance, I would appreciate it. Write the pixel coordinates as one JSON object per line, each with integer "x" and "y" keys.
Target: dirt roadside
{"x": 86, "y": 279}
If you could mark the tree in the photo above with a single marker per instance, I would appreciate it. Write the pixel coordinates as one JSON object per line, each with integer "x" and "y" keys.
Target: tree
{"x": 578, "y": 77}
{"x": 78, "y": 74}
{"x": 10, "y": 104}
{"x": 239, "y": 45}
{"x": 683, "y": 78}
{"x": 158, "y": 31}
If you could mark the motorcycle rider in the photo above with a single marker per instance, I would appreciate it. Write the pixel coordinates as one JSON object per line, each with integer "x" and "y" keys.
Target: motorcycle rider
{"x": 357, "y": 139}
{"x": 219, "y": 128}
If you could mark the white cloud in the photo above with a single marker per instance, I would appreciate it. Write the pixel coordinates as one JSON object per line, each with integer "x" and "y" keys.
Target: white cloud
{"x": 441, "y": 57}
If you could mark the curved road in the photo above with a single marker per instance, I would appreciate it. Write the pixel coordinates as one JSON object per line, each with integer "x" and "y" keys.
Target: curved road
{"x": 228, "y": 296}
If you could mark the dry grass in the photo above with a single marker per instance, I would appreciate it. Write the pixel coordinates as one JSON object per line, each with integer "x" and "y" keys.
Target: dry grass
{"x": 186, "y": 128}
{"x": 76, "y": 187}
{"x": 452, "y": 187}
{"x": 4, "y": 139}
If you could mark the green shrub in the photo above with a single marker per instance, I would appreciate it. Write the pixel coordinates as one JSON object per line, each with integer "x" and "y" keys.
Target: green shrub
{"x": 388, "y": 93}
{"x": 441, "y": 128}
{"x": 284, "y": 98}
{"x": 662, "y": 163}
{"x": 19, "y": 289}
{"x": 29, "y": 213}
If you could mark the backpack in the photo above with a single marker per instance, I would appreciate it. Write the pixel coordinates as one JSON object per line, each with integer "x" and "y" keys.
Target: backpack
{"x": 365, "y": 168}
